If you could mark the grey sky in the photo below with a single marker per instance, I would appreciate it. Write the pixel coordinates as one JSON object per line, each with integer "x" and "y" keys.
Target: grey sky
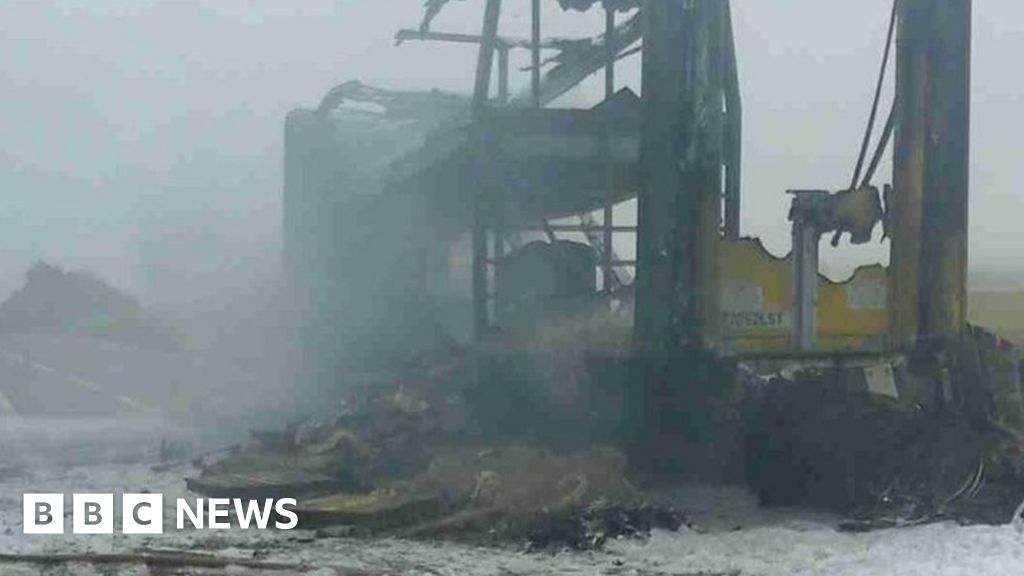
{"x": 138, "y": 131}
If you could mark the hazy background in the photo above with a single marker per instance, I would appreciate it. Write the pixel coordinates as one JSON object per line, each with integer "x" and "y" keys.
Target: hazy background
{"x": 143, "y": 139}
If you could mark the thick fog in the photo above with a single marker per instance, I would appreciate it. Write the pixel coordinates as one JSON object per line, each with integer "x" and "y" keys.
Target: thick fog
{"x": 435, "y": 407}
{"x": 143, "y": 140}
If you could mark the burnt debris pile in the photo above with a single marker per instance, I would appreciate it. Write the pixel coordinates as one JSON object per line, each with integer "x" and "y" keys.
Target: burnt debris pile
{"x": 932, "y": 436}
{"x": 410, "y": 458}
{"x": 478, "y": 449}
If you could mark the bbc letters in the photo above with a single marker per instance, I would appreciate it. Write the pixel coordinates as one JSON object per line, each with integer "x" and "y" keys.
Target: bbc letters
{"x": 144, "y": 513}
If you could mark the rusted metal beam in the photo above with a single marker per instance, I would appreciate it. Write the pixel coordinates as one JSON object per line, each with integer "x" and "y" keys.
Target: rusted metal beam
{"x": 681, "y": 159}
{"x": 733, "y": 128}
{"x": 535, "y": 53}
{"x": 662, "y": 78}
{"x": 485, "y": 58}
{"x": 622, "y": 263}
{"x": 612, "y": 281}
{"x": 609, "y": 52}
{"x": 406, "y": 34}
{"x": 710, "y": 118}
{"x": 583, "y": 227}
{"x": 944, "y": 256}
{"x": 503, "y": 74}
{"x": 485, "y": 61}
{"x": 928, "y": 212}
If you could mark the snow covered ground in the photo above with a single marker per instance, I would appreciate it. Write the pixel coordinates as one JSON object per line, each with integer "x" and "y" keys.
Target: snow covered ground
{"x": 730, "y": 536}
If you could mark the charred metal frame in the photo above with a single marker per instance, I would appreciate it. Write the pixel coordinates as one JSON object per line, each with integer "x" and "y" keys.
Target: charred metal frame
{"x": 692, "y": 194}
{"x": 688, "y": 172}
{"x": 487, "y": 255}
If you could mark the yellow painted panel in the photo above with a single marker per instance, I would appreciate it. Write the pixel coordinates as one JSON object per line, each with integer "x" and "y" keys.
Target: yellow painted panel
{"x": 757, "y": 307}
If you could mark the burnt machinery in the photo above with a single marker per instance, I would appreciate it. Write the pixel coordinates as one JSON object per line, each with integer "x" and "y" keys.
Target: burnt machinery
{"x": 498, "y": 168}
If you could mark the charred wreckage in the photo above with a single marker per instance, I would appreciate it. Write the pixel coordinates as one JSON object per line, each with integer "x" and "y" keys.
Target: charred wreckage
{"x": 471, "y": 249}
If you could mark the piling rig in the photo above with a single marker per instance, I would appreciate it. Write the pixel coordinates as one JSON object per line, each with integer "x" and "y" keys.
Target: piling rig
{"x": 501, "y": 168}
{"x": 490, "y": 224}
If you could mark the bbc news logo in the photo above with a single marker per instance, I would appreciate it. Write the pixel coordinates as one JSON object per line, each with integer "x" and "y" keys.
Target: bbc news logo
{"x": 144, "y": 513}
